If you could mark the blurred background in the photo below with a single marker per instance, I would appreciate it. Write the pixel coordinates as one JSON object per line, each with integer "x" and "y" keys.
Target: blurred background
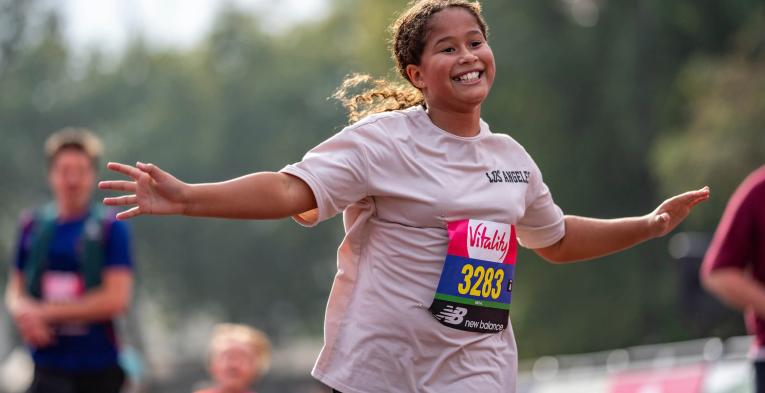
{"x": 621, "y": 103}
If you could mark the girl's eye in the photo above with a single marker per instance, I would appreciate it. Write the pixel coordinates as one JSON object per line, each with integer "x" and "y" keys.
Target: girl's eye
{"x": 447, "y": 50}
{"x": 476, "y": 44}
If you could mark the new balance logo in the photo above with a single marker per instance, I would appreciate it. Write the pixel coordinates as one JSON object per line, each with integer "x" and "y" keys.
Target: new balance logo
{"x": 452, "y": 315}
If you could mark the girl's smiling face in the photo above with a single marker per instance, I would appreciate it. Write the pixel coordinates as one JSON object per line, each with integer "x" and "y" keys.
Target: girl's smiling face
{"x": 457, "y": 67}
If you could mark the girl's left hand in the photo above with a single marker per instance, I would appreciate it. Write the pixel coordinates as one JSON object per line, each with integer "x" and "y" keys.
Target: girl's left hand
{"x": 674, "y": 210}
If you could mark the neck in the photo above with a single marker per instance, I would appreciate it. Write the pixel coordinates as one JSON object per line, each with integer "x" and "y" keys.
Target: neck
{"x": 68, "y": 212}
{"x": 464, "y": 124}
{"x": 230, "y": 389}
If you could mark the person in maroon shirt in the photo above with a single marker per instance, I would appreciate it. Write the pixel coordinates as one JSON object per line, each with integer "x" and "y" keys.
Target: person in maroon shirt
{"x": 734, "y": 266}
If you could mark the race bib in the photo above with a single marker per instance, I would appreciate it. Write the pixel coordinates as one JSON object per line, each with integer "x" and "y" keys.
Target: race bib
{"x": 476, "y": 283}
{"x": 64, "y": 287}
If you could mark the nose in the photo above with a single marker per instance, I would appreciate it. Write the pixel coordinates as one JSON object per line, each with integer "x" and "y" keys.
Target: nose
{"x": 468, "y": 57}
{"x": 72, "y": 177}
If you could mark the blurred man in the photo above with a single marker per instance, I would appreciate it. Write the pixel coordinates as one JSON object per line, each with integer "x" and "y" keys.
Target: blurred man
{"x": 72, "y": 276}
{"x": 734, "y": 266}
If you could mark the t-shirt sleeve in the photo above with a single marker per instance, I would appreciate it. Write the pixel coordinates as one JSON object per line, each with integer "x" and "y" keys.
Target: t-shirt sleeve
{"x": 118, "y": 252}
{"x": 542, "y": 223}
{"x": 336, "y": 171}
{"x": 734, "y": 240}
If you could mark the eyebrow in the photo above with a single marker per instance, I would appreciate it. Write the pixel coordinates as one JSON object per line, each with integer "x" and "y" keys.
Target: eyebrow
{"x": 450, "y": 37}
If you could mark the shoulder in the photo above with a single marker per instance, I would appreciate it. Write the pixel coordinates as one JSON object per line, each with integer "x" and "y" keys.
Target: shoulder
{"x": 508, "y": 141}
{"x": 386, "y": 123}
{"x": 31, "y": 217}
{"x": 510, "y": 145}
{"x": 117, "y": 228}
{"x": 26, "y": 224}
{"x": 751, "y": 193}
{"x": 27, "y": 218}
{"x": 113, "y": 228}
{"x": 522, "y": 161}
{"x": 755, "y": 181}
{"x": 752, "y": 188}
{"x": 375, "y": 135}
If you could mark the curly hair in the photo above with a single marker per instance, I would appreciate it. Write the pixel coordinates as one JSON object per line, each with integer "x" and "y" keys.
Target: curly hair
{"x": 409, "y": 36}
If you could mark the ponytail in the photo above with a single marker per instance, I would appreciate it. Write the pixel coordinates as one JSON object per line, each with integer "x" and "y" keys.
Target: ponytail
{"x": 382, "y": 96}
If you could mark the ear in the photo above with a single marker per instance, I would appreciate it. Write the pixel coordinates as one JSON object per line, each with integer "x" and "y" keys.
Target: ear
{"x": 415, "y": 76}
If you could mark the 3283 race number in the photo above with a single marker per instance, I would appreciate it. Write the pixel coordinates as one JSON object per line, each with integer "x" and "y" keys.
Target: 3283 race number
{"x": 487, "y": 284}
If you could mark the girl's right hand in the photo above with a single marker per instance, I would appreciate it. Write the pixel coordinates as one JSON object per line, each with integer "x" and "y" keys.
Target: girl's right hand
{"x": 153, "y": 191}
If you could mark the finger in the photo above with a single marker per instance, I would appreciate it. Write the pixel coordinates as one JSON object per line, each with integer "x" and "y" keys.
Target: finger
{"x": 31, "y": 341}
{"x": 117, "y": 185}
{"x": 691, "y": 195}
{"x": 121, "y": 200}
{"x": 699, "y": 196}
{"x": 46, "y": 334}
{"x": 130, "y": 213}
{"x": 698, "y": 200}
{"x": 40, "y": 336}
{"x": 687, "y": 198}
{"x": 701, "y": 193}
{"x": 126, "y": 170}
{"x": 41, "y": 341}
{"x": 27, "y": 338}
{"x": 151, "y": 169}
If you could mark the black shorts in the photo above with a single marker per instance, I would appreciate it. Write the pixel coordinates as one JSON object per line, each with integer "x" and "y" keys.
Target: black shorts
{"x": 56, "y": 381}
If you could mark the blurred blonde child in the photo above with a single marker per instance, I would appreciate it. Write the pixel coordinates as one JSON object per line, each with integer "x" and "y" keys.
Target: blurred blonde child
{"x": 238, "y": 356}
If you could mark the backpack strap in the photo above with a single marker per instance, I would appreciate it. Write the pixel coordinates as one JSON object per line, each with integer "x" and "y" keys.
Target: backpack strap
{"x": 43, "y": 227}
{"x": 91, "y": 246}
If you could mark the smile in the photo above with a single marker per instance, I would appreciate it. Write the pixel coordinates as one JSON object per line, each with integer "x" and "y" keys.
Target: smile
{"x": 468, "y": 76}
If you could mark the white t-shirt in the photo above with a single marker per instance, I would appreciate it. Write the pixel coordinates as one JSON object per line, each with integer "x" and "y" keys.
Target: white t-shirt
{"x": 399, "y": 179}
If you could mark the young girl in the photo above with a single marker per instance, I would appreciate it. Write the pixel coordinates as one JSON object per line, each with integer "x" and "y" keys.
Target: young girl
{"x": 432, "y": 202}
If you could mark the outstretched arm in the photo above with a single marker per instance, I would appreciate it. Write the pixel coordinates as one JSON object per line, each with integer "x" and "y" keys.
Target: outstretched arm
{"x": 263, "y": 195}
{"x": 588, "y": 238}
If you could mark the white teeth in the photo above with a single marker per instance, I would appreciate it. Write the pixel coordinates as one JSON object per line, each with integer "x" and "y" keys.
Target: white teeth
{"x": 470, "y": 76}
